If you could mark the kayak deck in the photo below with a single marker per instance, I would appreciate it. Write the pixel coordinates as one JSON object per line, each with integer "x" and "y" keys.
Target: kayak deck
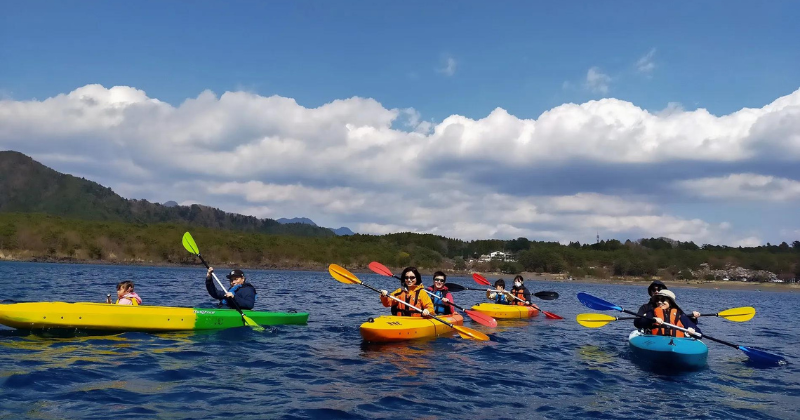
{"x": 388, "y": 328}
{"x": 669, "y": 352}
{"x": 106, "y": 317}
{"x": 499, "y": 311}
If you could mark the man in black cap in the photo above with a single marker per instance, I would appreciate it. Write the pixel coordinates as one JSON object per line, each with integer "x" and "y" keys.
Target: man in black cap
{"x": 654, "y": 288}
{"x": 241, "y": 293}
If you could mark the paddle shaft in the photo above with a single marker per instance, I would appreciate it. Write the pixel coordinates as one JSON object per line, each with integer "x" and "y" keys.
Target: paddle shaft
{"x": 449, "y": 303}
{"x": 408, "y": 304}
{"x": 693, "y": 334}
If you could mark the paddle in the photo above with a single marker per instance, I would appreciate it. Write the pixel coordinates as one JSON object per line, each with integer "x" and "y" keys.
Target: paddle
{"x": 741, "y": 314}
{"x": 482, "y": 280}
{"x": 758, "y": 356}
{"x": 191, "y": 246}
{"x": 341, "y": 275}
{"x": 455, "y": 287}
{"x": 476, "y": 316}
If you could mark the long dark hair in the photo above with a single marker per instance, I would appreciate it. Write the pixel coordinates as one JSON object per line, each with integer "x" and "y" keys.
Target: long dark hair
{"x": 403, "y": 276}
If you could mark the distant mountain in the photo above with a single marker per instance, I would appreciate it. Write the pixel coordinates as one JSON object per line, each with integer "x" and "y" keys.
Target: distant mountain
{"x": 170, "y": 204}
{"x": 342, "y": 231}
{"x": 301, "y": 220}
{"x": 29, "y": 187}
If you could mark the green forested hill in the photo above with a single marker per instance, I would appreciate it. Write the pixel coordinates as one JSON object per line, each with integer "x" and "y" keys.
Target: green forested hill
{"x": 30, "y": 187}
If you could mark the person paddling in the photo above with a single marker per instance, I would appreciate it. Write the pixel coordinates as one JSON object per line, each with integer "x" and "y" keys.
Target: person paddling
{"x": 240, "y": 292}
{"x": 411, "y": 291}
{"x": 654, "y": 288}
{"x": 665, "y": 310}
{"x": 520, "y": 291}
{"x": 442, "y": 296}
{"x": 498, "y": 295}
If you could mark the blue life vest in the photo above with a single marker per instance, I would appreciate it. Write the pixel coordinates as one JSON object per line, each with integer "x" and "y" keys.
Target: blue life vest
{"x": 440, "y": 307}
{"x": 501, "y": 298}
{"x": 233, "y": 291}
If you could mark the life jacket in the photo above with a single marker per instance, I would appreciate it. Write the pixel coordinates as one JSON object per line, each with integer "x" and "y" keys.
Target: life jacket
{"x": 500, "y": 298}
{"x": 520, "y": 293}
{"x": 411, "y": 298}
{"x": 440, "y": 307}
{"x": 673, "y": 318}
{"x": 233, "y": 290}
{"x": 133, "y": 298}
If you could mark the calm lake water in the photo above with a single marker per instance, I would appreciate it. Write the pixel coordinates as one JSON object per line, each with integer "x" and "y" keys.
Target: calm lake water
{"x": 531, "y": 369}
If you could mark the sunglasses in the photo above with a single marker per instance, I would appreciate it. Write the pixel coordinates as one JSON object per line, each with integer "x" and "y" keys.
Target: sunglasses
{"x": 660, "y": 299}
{"x": 438, "y": 280}
{"x": 410, "y": 277}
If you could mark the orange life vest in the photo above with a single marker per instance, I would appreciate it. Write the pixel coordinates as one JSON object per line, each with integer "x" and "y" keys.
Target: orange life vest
{"x": 520, "y": 293}
{"x": 411, "y": 298}
{"x": 673, "y": 318}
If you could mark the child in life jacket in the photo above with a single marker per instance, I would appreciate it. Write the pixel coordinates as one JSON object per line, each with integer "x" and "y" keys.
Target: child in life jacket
{"x": 126, "y": 295}
{"x": 412, "y": 292}
{"x": 665, "y": 309}
{"x": 520, "y": 291}
{"x": 440, "y": 295}
{"x": 498, "y": 295}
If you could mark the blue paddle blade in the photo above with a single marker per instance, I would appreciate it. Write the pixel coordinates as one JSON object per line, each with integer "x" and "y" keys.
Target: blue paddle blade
{"x": 762, "y": 357}
{"x": 596, "y": 303}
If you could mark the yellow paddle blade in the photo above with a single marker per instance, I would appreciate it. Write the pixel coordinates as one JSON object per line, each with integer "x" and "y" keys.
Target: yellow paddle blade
{"x": 745, "y": 313}
{"x": 341, "y": 274}
{"x": 594, "y": 320}
{"x": 252, "y": 324}
{"x": 470, "y": 334}
{"x": 189, "y": 244}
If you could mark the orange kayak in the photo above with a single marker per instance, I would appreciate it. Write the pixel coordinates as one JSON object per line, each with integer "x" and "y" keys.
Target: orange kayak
{"x": 498, "y": 311}
{"x": 388, "y": 328}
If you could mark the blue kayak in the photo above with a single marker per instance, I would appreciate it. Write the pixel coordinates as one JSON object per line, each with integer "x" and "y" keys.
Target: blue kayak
{"x": 664, "y": 352}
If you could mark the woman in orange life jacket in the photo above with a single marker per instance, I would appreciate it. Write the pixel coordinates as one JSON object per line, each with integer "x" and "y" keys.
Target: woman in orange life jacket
{"x": 443, "y": 297}
{"x": 412, "y": 292}
{"x": 498, "y": 295}
{"x": 519, "y": 290}
{"x": 666, "y": 310}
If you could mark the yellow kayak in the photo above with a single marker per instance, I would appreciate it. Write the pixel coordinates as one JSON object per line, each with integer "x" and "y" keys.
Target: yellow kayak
{"x": 498, "y": 311}
{"x": 105, "y": 317}
{"x": 389, "y": 328}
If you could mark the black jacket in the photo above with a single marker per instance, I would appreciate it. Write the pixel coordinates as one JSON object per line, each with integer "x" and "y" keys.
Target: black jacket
{"x": 245, "y": 295}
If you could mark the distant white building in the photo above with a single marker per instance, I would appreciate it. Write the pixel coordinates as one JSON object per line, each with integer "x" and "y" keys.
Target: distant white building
{"x": 496, "y": 255}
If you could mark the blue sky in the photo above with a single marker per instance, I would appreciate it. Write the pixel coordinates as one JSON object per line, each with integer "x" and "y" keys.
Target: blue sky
{"x": 441, "y": 59}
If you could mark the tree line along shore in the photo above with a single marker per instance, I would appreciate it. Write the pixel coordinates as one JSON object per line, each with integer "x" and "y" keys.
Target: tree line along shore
{"x": 40, "y": 237}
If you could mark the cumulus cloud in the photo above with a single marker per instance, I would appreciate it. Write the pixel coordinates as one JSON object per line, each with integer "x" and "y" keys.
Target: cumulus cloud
{"x": 645, "y": 64}
{"x": 597, "y": 81}
{"x": 746, "y": 186}
{"x": 448, "y": 67}
{"x": 354, "y": 162}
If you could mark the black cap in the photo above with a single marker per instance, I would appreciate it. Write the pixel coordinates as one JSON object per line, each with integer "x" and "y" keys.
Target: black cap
{"x": 235, "y": 273}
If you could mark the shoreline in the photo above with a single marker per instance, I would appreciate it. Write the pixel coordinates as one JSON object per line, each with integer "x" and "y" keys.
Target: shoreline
{"x": 529, "y": 277}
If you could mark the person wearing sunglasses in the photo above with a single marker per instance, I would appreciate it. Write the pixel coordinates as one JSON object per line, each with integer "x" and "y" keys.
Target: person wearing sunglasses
{"x": 665, "y": 309}
{"x": 411, "y": 291}
{"x": 654, "y": 288}
{"x": 441, "y": 296}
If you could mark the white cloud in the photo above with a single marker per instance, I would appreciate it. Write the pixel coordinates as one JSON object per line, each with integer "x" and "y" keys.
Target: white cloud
{"x": 354, "y": 162}
{"x": 645, "y": 64}
{"x": 448, "y": 67}
{"x": 597, "y": 81}
{"x": 745, "y": 186}
{"x": 750, "y": 241}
